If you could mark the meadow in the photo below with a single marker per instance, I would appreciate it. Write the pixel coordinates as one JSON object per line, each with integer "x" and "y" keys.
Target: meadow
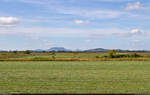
{"x": 75, "y": 77}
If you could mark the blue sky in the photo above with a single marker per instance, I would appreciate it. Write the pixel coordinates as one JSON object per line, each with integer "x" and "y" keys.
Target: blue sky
{"x": 74, "y": 24}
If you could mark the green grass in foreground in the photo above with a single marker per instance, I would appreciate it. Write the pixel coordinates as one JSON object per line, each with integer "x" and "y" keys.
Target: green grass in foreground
{"x": 75, "y": 77}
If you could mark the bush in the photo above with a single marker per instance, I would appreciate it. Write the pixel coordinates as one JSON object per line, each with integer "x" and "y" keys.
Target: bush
{"x": 135, "y": 55}
{"x": 97, "y": 57}
{"x": 111, "y": 53}
{"x": 27, "y": 52}
{"x": 121, "y": 55}
{"x": 15, "y": 52}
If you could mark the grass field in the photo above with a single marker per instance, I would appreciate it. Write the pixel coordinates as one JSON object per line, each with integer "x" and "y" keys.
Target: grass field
{"x": 75, "y": 77}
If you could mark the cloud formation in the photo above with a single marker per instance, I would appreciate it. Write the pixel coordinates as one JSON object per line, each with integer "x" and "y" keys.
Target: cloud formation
{"x": 133, "y": 32}
{"x": 8, "y": 21}
{"x": 136, "y": 6}
{"x": 136, "y": 31}
{"x": 81, "y": 21}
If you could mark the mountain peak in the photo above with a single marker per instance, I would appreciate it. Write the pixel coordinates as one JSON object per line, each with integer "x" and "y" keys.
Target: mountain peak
{"x": 58, "y": 49}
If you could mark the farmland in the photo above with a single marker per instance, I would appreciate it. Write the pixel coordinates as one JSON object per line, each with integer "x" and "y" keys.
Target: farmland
{"x": 75, "y": 77}
{"x": 74, "y": 72}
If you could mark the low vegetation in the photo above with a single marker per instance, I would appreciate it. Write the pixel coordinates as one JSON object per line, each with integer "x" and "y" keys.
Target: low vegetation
{"x": 27, "y": 52}
{"x": 114, "y": 54}
{"x": 74, "y": 56}
{"x": 75, "y": 77}
{"x": 74, "y": 72}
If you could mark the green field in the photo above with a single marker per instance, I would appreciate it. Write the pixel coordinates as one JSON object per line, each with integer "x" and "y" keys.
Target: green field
{"x": 75, "y": 77}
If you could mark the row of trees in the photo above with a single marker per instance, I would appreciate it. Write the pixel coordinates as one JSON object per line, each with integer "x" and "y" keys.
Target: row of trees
{"x": 113, "y": 54}
{"x": 25, "y": 52}
{"x": 110, "y": 54}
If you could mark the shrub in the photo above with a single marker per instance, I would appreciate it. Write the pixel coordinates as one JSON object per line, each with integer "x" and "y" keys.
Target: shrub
{"x": 114, "y": 55}
{"x": 15, "y": 52}
{"x": 27, "y": 52}
{"x": 97, "y": 57}
{"x": 111, "y": 53}
{"x": 120, "y": 55}
{"x": 135, "y": 55}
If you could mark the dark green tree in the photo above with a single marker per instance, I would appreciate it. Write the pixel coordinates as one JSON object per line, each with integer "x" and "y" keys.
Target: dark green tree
{"x": 111, "y": 53}
{"x": 27, "y": 52}
{"x": 15, "y": 51}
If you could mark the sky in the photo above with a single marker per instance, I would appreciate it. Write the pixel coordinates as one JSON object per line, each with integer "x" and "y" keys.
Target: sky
{"x": 74, "y": 24}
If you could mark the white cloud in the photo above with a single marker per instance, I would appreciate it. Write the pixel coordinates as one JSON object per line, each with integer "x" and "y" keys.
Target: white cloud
{"x": 8, "y": 21}
{"x": 37, "y": 32}
{"x": 133, "y": 32}
{"x": 90, "y": 13}
{"x": 136, "y": 31}
{"x": 81, "y": 21}
{"x": 135, "y": 6}
{"x": 57, "y": 32}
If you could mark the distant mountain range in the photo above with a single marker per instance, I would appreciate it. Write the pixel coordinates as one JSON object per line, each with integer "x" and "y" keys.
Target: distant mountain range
{"x": 96, "y": 50}
{"x": 59, "y": 49}
{"x": 56, "y": 49}
{"x": 62, "y": 49}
